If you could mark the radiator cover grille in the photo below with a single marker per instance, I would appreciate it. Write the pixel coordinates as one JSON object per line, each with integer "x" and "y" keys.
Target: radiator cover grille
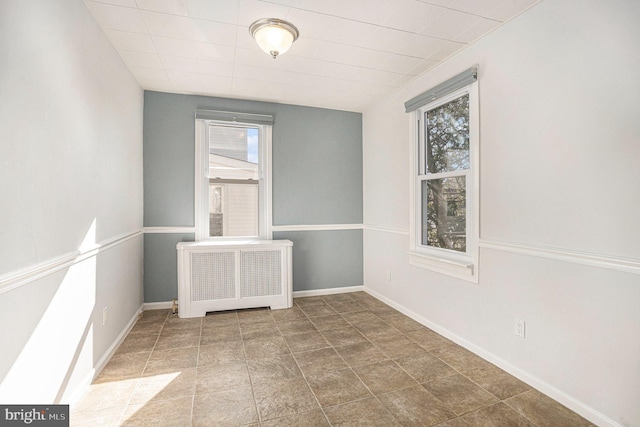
{"x": 260, "y": 273}
{"x": 213, "y": 276}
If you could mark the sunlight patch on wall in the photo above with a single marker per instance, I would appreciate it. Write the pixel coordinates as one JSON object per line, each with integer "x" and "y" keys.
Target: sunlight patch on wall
{"x": 62, "y": 338}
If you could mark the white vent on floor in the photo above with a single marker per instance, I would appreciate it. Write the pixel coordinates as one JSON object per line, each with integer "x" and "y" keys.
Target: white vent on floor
{"x": 216, "y": 276}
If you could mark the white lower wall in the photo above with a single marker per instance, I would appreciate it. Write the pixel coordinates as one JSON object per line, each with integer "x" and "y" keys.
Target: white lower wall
{"x": 559, "y": 144}
{"x": 572, "y": 350}
{"x": 58, "y": 341}
{"x": 71, "y": 195}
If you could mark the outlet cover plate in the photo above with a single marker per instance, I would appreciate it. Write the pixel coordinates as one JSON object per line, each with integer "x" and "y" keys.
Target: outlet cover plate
{"x": 519, "y": 328}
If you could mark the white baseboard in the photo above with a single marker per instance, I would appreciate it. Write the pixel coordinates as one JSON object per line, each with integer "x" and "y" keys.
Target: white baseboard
{"x": 93, "y": 374}
{"x": 157, "y": 305}
{"x": 329, "y": 291}
{"x": 542, "y": 386}
{"x": 296, "y": 294}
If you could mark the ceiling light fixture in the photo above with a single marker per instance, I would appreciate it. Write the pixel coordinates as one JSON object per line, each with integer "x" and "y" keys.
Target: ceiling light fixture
{"x": 274, "y": 36}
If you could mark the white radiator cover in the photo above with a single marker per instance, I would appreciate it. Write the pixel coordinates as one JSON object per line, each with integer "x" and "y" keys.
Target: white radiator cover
{"x": 215, "y": 276}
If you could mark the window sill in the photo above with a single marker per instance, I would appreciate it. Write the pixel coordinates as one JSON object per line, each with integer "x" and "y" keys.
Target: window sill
{"x": 461, "y": 270}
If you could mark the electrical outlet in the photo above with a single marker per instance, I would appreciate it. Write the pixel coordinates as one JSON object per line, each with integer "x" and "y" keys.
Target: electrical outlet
{"x": 519, "y": 328}
{"x": 105, "y": 313}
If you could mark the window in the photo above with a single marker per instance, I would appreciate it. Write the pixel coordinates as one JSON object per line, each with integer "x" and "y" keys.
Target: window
{"x": 444, "y": 229}
{"x": 443, "y": 174}
{"x": 233, "y": 195}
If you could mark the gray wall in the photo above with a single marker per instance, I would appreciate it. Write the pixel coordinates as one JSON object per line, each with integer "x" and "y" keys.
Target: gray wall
{"x": 325, "y": 259}
{"x": 161, "y": 266}
{"x": 317, "y": 180}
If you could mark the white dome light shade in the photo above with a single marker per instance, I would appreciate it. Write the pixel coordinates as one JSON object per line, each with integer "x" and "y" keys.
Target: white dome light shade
{"x": 274, "y": 36}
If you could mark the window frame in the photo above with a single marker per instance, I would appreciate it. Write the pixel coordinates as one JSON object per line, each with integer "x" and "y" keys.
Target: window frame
{"x": 446, "y": 261}
{"x": 201, "y": 199}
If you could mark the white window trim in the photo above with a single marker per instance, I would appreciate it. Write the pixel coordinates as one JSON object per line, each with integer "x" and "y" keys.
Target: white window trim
{"x": 201, "y": 196}
{"x": 462, "y": 266}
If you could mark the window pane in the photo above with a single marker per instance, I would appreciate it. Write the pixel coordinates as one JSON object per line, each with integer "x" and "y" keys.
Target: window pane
{"x": 233, "y": 209}
{"x": 238, "y": 143}
{"x": 447, "y": 136}
{"x": 444, "y": 213}
{"x": 215, "y": 210}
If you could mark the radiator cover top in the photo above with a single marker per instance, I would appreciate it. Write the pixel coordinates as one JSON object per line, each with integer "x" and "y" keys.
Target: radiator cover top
{"x": 215, "y": 276}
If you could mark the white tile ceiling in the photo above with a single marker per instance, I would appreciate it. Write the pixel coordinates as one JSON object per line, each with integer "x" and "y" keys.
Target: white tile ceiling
{"x": 350, "y": 53}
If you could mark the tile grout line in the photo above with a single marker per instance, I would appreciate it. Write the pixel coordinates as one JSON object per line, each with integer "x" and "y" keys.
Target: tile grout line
{"x": 121, "y": 419}
{"x": 447, "y": 364}
{"x": 390, "y": 359}
{"x": 403, "y": 330}
{"x": 358, "y": 376}
{"x": 404, "y": 334}
{"x": 517, "y": 411}
{"x": 464, "y": 376}
{"x": 304, "y": 376}
{"x": 349, "y": 366}
{"x": 246, "y": 364}
{"x": 195, "y": 386}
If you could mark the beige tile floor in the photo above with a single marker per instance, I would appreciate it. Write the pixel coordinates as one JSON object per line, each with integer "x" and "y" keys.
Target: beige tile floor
{"x": 337, "y": 360}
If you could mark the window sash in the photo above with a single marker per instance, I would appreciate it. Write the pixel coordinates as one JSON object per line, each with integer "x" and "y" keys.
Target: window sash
{"x": 467, "y": 175}
{"x": 425, "y": 175}
{"x": 421, "y": 134}
{"x": 218, "y": 136}
{"x": 438, "y": 220}
{"x": 202, "y": 181}
{"x": 433, "y": 143}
